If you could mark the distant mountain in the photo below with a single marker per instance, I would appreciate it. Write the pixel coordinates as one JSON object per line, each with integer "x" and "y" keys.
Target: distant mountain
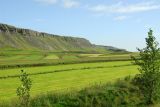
{"x": 112, "y": 49}
{"x": 18, "y": 38}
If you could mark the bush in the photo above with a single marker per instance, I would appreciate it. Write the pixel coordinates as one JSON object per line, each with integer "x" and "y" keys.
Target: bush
{"x": 23, "y": 91}
{"x": 120, "y": 94}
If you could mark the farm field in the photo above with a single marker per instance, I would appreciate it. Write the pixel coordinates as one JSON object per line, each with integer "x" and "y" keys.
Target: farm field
{"x": 63, "y": 78}
{"x": 28, "y": 57}
{"x": 60, "y": 71}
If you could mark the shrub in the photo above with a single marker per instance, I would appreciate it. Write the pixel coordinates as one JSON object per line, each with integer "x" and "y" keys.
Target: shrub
{"x": 120, "y": 94}
{"x": 23, "y": 91}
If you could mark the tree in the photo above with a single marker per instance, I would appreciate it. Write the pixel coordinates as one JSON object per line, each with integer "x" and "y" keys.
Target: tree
{"x": 23, "y": 91}
{"x": 149, "y": 66}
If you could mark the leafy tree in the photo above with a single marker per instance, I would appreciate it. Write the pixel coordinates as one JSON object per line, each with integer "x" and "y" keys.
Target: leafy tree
{"x": 23, "y": 91}
{"x": 149, "y": 66}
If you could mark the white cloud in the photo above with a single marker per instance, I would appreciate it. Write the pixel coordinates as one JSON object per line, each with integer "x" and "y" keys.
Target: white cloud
{"x": 129, "y": 8}
{"x": 120, "y": 18}
{"x": 64, "y": 3}
{"x": 48, "y": 2}
{"x": 70, "y": 3}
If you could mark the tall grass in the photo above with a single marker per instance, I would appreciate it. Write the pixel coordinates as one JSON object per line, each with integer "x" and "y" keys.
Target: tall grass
{"x": 122, "y": 93}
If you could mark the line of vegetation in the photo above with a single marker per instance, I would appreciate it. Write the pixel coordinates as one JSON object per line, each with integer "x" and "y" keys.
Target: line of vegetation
{"x": 59, "y": 63}
{"x": 71, "y": 69}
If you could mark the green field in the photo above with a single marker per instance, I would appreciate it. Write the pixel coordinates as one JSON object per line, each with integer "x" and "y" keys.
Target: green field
{"x": 65, "y": 80}
{"x": 60, "y": 72}
{"x": 24, "y": 57}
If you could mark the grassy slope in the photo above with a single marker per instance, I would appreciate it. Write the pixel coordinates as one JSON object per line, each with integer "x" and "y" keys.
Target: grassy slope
{"x": 52, "y": 43}
{"x": 68, "y": 80}
{"x": 25, "y": 39}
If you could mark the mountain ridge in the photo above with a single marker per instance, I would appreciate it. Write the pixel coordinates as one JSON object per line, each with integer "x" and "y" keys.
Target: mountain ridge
{"x": 20, "y": 38}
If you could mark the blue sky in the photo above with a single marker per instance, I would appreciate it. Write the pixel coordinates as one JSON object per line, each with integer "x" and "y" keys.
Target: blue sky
{"x": 120, "y": 23}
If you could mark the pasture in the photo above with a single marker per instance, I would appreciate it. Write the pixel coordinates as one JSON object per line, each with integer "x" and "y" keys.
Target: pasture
{"x": 64, "y": 81}
{"x": 28, "y": 57}
{"x": 63, "y": 72}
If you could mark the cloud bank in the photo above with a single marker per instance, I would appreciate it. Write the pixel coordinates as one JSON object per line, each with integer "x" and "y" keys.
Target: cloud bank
{"x": 124, "y": 9}
{"x": 64, "y": 3}
{"x": 70, "y": 3}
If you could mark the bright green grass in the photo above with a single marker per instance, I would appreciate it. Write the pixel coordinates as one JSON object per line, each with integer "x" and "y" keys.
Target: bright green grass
{"x": 21, "y": 57}
{"x": 10, "y": 57}
{"x": 65, "y": 81}
{"x": 52, "y": 56}
{"x": 30, "y": 70}
{"x": 69, "y": 57}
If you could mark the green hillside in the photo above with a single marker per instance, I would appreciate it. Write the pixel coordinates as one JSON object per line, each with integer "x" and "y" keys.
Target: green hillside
{"x": 25, "y": 39}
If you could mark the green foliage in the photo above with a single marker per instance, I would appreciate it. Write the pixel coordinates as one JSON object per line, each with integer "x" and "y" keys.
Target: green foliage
{"x": 149, "y": 66}
{"x": 23, "y": 91}
{"x": 120, "y": 94}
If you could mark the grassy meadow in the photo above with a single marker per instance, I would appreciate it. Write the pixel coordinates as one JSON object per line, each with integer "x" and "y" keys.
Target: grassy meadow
{"x": 27, "y": 57}
{"x": 75, "y": 73}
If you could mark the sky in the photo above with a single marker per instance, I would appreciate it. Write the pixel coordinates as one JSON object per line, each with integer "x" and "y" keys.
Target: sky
{"x": 120, "y": 23}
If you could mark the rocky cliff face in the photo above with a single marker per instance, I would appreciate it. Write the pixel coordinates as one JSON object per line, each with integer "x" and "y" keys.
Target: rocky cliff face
{"x": 19, "y": 38}
{"x": 25, "y": 32}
